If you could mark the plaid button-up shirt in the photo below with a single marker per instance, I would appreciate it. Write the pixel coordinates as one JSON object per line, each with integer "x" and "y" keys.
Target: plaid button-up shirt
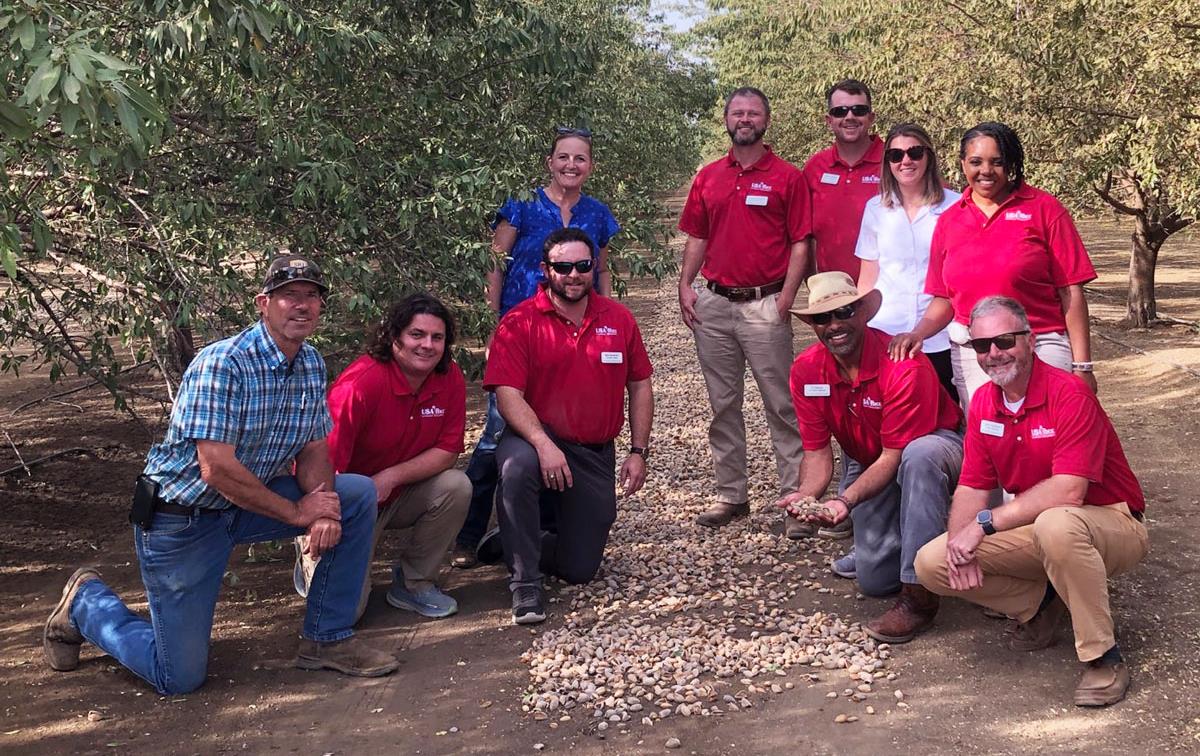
{"x": 240, "y": 391}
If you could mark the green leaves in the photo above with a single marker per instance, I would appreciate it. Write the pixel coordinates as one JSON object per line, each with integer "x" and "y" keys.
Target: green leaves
{"x": 13, "y": 121}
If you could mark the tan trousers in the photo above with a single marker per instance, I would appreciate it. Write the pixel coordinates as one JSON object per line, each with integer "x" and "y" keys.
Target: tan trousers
{"x": 432, "y": 512}
{"x": 729, "y": 335}
{"x": 1076, "y": 548}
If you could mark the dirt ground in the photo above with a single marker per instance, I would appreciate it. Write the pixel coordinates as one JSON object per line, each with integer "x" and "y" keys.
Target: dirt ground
{"x": 460, "y": 688}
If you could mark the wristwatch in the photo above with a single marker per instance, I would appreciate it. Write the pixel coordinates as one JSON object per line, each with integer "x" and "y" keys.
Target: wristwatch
{"x": 644, "y": 451}
{"x": 984, "y": 518}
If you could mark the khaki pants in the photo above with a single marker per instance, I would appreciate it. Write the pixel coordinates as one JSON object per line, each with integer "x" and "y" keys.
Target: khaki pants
{"x": 1076, "y": 548}
{"x": 729, "y": 335}
{"x": 431, "y": 511}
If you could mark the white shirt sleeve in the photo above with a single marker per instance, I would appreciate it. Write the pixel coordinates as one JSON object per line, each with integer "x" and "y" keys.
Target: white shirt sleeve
{"x": 868, "y": 234}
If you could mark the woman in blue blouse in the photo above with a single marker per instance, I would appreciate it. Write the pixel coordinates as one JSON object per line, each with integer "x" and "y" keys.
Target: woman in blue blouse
{"x": 521, "y": 229}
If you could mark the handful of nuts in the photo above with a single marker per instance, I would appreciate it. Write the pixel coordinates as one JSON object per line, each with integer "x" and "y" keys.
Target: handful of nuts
{"x": 809, "y": 508}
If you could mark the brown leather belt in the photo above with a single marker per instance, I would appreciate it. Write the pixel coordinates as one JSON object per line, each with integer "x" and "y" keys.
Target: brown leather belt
{"x": 745, "y": 293}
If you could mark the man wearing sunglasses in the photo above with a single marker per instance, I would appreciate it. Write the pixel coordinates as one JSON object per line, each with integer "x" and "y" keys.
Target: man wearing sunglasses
{"x": 248, "y": 406}
{"x": 843, "y": 177}
{"x": 898, "y": 429}
{"x": 1075, "y": 518}
{"x": 746, "y": 220}
{"x": 560, "y": 364}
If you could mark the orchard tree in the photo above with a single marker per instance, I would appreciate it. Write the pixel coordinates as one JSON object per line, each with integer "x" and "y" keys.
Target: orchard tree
{"x": 158, "y": 152}
{"x": 1103, "y": 92}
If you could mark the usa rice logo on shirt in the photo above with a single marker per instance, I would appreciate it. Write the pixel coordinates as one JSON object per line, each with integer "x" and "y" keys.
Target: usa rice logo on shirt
{"x": 434, "y": 411}
{"x": 1042, "y": 432}
{"x": 1017, "y": 215}
{"x": 606, "y": 331}
{"x": 759, "y": 186}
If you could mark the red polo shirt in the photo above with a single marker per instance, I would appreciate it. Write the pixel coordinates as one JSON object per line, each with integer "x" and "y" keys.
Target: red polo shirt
{"x": 1027, "y": 250}
{"x": 1059, "y": 430}
{"x": 378, "y": 421}
{"x": 572, "y": 376}
{"x": 749, "y": 216}
{"x": 887, "y": 406}
{"x": 839, "y": 197}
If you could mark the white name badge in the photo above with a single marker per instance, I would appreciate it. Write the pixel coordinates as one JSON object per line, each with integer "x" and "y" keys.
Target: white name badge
{"x": 830, "y": 178}
{"x": 816, "y": 389}
{"x": 612, "y": 358}
{"x": 989, "y": 428}
{"x": 756, "y": 199}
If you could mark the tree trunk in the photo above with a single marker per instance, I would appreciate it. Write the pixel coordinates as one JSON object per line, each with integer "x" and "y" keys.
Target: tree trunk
{"x": 1143, "y": 257}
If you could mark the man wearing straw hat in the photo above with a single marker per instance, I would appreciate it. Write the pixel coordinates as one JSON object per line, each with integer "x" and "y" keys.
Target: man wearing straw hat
{"x": 898, "y": 429}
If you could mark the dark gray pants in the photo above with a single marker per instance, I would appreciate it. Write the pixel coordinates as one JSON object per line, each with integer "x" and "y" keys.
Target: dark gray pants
{"x": 583, "y": 513}
{"x": 892, "y": 526}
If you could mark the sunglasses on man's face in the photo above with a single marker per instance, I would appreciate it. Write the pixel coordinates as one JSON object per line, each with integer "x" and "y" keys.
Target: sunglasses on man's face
{"x": 1002, "y": 341}
{"x": 565, "y": 268}
{"x": 841, "y": 313}
{"x": 840, "y": 111}
{"x": 895, "y": 154}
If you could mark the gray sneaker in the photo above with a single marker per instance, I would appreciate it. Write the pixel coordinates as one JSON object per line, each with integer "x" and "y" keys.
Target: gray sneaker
{"x": 351, "y": 656}
{"x": 844, "y": 566}
{"x": 60, "y": 638}
{"x": 527, "y": 607}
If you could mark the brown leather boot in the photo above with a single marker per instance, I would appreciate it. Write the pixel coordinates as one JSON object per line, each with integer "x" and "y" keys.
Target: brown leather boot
{"x": 1042, "y": 630}
{"x": 721, "y": 513}
{"x": 911, "y": 615}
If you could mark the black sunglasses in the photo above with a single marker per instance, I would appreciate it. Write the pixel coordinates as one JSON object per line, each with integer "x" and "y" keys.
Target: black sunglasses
{"x": 842, "y": 313}
{"x": 565, "y": 268}
{"x": 895, "y": 154}
{"x": 1002, "y": 341}
{"x": 572, "y": 131}
{"x": 840, "y": 111}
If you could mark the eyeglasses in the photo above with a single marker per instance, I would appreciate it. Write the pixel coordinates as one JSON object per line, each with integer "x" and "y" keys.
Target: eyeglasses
{"x": 572, "y": 131}
{"x": 1002, "y": 341}
{"x": 842, "y": 313}
{"x": 895, "y": 154}
{"x": 565, "y": 268}
{"x": 840, "y": 111}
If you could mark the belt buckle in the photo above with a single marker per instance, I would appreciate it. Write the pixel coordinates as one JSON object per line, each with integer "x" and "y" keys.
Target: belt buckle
{"x": 741, "y": 294}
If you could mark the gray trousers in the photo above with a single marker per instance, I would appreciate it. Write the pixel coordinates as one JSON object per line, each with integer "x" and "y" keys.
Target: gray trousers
{"x": 892, "y": 526}
{"x": 583, "y": 513}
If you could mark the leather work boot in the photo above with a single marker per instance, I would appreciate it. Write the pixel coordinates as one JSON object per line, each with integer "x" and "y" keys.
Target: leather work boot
{"x": 722, "y": 513}
{"x": 795, "y": 529}
{"x": 1041, "y": 631}
{"x": 61, "y": 639}
{"x": 911, "y": 615}
{"x": 351, "y": 656}
{"x": 1102, "y": 684}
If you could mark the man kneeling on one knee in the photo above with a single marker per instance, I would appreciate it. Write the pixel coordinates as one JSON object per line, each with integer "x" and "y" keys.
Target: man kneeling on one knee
{"x": 898, "y": 429}
{"x": 1075, "y": 518}
{"x": 560, "y": 364}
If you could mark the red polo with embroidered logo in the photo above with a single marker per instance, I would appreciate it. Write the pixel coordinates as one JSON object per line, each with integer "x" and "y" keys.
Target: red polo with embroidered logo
{"x": 378, "y": 421}
{"x": 1027, "y": 250}
{"x": 572, "y": 376}
{"x": 839, "y": 194}
{"x": 1059, "y": 430}
{"x": 888, "y": 405}
{"x": 750, "y": 218}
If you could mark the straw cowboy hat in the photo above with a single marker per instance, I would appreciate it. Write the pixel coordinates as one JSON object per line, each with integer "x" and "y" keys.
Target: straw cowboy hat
{"x": 829, "y": 291}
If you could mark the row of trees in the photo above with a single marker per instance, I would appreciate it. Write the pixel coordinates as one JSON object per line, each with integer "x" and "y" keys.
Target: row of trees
{"x": 1105, "y": 93}
{"x": 157, "y": 152}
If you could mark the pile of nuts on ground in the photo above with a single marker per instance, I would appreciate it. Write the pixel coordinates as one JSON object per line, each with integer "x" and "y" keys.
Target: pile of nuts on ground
{"x": 686, "y": 621}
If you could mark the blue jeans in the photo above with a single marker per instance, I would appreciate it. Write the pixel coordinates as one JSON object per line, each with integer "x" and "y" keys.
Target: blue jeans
{"x": 182, "y": 560}
{"x": 483, "y": 473}
{"x": 892, "y": 526}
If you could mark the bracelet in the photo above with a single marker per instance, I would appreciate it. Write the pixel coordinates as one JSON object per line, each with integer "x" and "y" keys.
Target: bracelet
{"x": 843, "y": 499}
{"x": 1083, "y": 367}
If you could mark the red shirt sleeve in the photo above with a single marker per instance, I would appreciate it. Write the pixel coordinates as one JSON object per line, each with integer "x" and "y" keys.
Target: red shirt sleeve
{"x": 351, "y": 411}
{"x": 1069, "y": 261}
{"x": 639, "y": 361}
{"x": 815, "y": 432}
{"x": 454, "y": 425}
{"x": 508, "y": 362}
{"x": 910, "y": 403}
{"x": 1080, "y": 438}
{"x": 799, "y": 218}
{"x": 934, "y": 284}
{"x": 694, "y": 219}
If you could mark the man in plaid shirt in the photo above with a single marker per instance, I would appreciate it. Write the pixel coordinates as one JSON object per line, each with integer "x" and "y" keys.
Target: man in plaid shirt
{"x": 248, "y": 408}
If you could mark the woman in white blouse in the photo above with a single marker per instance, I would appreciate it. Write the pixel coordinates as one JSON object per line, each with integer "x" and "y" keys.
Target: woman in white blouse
{"x": 893, "y": 242}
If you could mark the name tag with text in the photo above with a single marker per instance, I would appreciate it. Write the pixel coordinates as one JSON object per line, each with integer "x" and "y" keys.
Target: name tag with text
{"x": 612, "y": 358}
{"x": 990, "y": 428}
{"x": 816, "y": 389}
{"x": 756, "y": 200}
{"x": 830, "y": 178}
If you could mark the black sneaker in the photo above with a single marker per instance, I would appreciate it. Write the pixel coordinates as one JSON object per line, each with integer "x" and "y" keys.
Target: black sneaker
{"x": 490, "y": 549}
{"x": 527, "y": 605}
